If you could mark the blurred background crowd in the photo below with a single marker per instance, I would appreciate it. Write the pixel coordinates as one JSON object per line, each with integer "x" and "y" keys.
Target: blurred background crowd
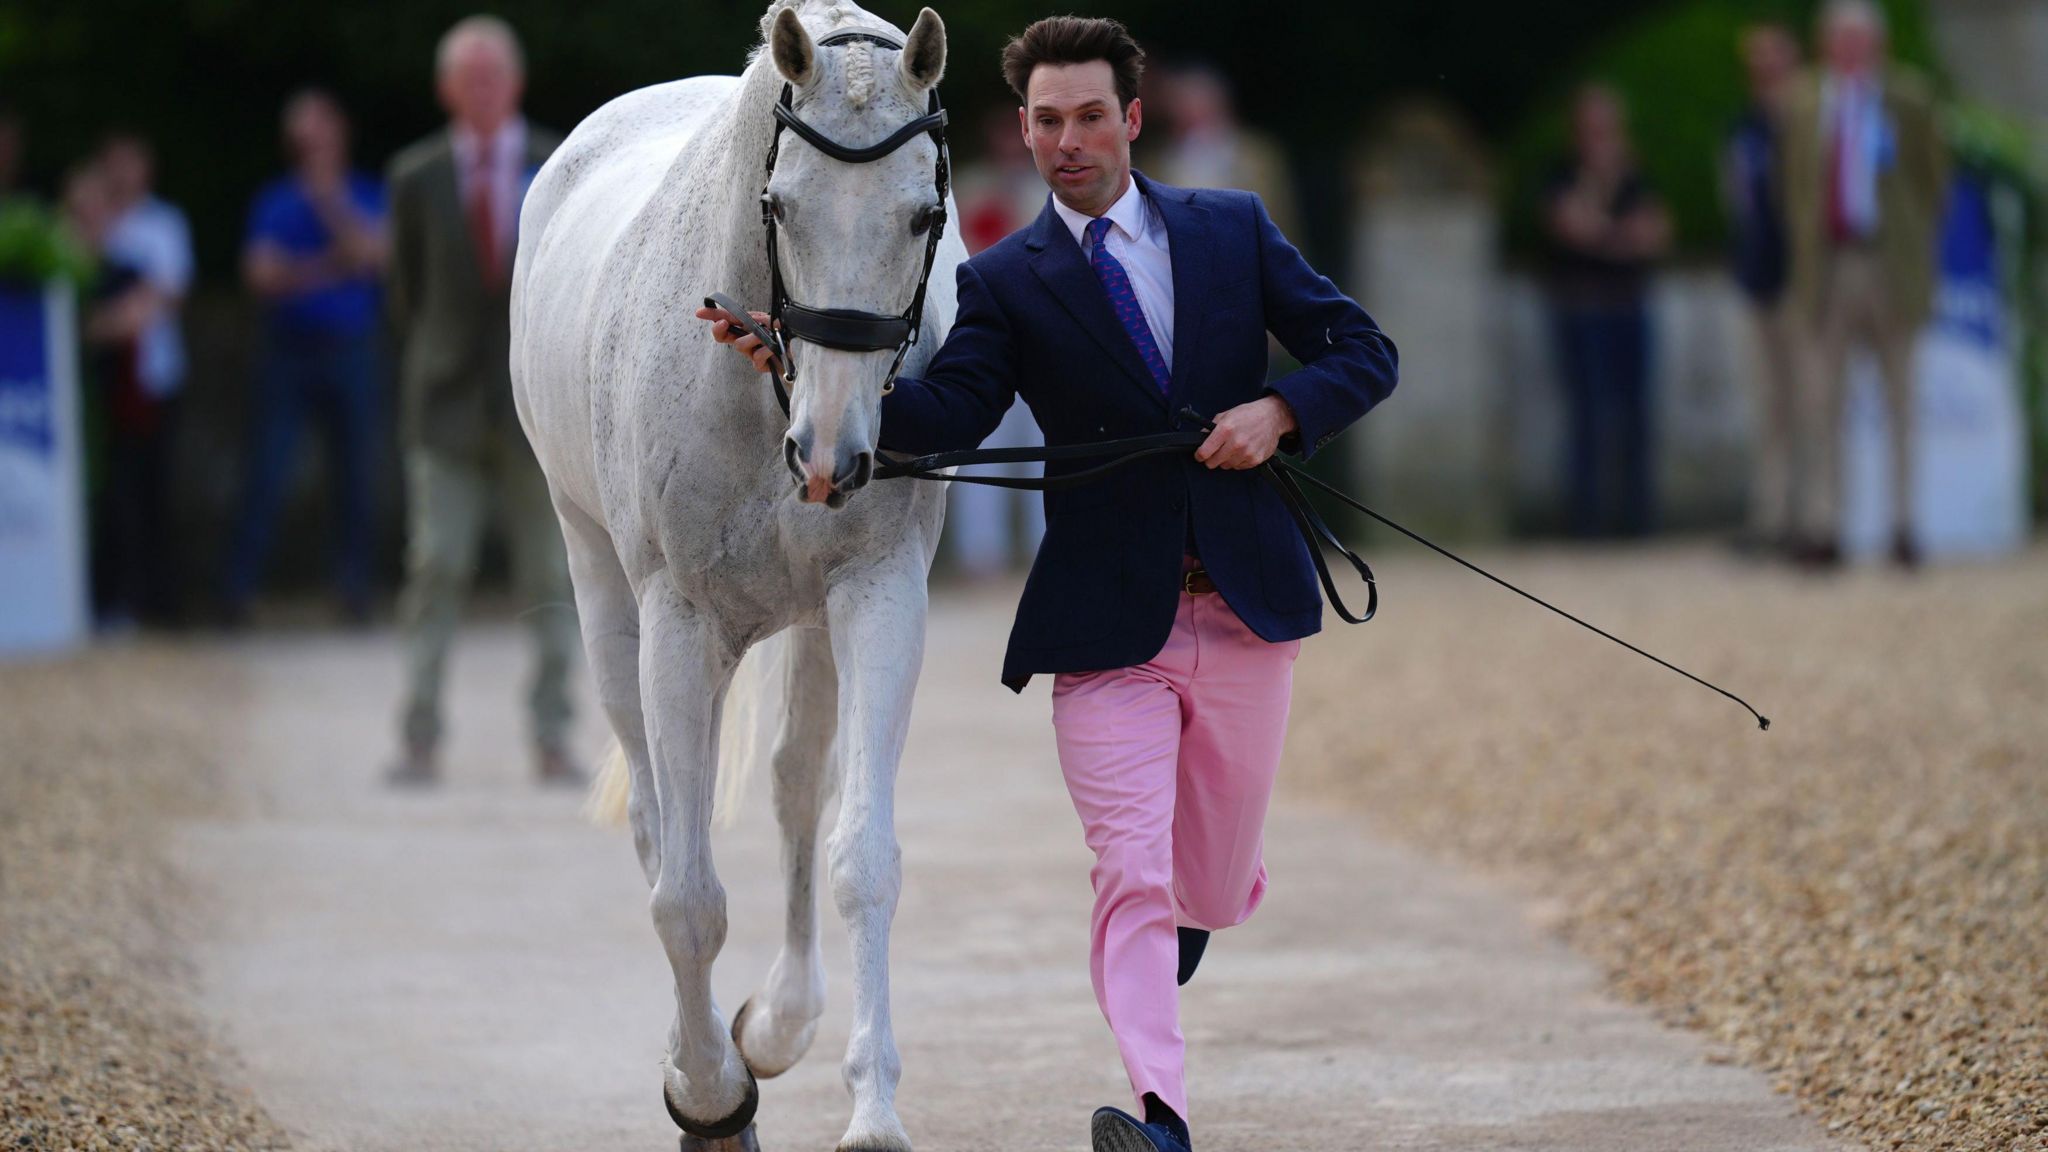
{"x": 1769, "y": 270}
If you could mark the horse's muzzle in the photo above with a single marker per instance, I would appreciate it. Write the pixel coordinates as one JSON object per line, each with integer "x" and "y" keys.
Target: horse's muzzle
{"x": 814, "y": 485}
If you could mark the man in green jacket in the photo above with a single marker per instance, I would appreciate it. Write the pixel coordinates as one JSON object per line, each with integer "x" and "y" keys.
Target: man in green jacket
{"x": 454, "y": 219}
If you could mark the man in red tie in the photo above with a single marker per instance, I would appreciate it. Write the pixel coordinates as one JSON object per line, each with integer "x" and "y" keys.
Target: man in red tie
{"x": 1865, "y": 176}
{"x": 454, "y": 217}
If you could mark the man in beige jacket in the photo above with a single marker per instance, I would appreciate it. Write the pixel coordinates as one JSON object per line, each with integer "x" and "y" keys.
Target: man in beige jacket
{"x": 1865, "y": 173}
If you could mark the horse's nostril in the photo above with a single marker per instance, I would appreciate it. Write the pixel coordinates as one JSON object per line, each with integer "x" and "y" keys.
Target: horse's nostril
{"x": 793, "y": 455}
{"x": 863, "y": 467}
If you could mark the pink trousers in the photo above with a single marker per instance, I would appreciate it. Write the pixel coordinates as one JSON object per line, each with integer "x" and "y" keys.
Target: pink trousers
{"x": 1170, "y": 764}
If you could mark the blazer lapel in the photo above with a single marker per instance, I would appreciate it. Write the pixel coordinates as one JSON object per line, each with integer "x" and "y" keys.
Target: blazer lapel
{"x": 1059, "y": 265}
{"x": 1187, "y": 241}
{"x": 445, "y": 184}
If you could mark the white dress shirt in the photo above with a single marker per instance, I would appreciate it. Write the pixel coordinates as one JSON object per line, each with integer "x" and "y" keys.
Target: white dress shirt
{"x": 508, "y": 177}
{"x": 153, "y": 239}
{"x": 1137, "y": 238}
{"x": 1853, "y": 119}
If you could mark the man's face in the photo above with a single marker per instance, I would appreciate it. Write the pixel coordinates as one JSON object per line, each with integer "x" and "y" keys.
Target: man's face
{"x": 480, "y": 86}
{"x": 1853, "y": 45}
{"x": 1770, "y": 55}
{"x": 1080, "y": 138}
{"x": 126, "y": 165}
{"x": 316, "y": 136}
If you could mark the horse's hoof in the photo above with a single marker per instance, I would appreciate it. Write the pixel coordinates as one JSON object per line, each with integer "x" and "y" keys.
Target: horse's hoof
{"x": 767, "y": 1069}
{"x": 744, "y": 1142}
{"x": 724, "y": 1129}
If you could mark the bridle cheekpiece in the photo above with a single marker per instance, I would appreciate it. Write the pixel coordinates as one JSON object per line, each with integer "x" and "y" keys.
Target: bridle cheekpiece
{"x": 849, "y": 329}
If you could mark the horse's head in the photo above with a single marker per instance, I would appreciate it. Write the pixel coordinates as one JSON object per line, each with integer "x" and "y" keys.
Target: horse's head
{"x": 851, "y": 236}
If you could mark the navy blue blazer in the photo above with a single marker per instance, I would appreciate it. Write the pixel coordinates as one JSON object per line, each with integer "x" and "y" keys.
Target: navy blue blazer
{"x": 1035, "y": 321}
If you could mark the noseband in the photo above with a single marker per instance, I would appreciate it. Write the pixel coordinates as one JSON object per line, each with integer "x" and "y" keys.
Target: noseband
{"x": 849, "y": 329}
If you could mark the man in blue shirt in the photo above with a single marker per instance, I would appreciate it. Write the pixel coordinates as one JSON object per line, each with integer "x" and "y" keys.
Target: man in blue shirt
{"x": 315, "y": 249}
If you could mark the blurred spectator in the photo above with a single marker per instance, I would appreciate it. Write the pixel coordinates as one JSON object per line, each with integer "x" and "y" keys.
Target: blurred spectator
{"x": 315, "y": 248}
{"x": 1751, "y": 190}
{"x": 122, "y": 421}
{"x": 1606, "y": 228}
{"x": 1865, "y": 172}
{"x": 454, "y": 214}
{"x": 1208, "y": 148}
{"x": 996, "y": 195}
{"x": 148, "y": 237}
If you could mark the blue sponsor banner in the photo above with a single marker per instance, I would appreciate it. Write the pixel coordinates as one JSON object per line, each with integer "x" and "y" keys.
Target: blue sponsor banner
{"x": 26, "y": 414}
{"x": 42, "y": 521}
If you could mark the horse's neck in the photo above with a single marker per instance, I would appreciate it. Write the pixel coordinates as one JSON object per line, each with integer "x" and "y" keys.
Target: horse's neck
{"x": 717, "y": 179}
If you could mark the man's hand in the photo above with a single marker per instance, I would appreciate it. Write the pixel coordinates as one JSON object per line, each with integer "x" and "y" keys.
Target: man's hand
{"x": 1245, "y": 436}
{"x": 726, "y": 330}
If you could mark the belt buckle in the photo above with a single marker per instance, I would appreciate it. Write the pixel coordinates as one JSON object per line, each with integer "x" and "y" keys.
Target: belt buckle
{"x": 1188, "y": 578}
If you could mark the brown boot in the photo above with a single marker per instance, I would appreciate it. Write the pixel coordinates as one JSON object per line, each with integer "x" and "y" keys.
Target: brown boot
{"x": 1906, "y": 551}
{"x": 557, "y": 770}
{"x": 418, "y": 767}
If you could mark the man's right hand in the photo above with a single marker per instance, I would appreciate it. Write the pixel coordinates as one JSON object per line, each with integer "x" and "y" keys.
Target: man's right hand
{"x": 726, "y": 329}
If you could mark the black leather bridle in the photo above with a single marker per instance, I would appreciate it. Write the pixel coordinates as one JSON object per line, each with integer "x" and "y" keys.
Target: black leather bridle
{"x": 847, "y": 329}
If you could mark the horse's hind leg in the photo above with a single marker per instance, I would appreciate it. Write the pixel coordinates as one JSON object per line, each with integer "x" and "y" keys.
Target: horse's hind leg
{"x": 776, "y": 1025}
{"x": 684, "y": 670}
{"x": 611, "y": 643}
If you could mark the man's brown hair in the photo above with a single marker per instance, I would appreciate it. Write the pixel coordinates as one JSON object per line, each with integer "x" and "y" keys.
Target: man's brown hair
{"x": 1075, "y": 40}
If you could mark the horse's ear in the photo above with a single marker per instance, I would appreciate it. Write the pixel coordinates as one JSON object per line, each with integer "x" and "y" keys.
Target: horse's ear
{"x": 791, "y": 49}
{"x": 924, "y": 53}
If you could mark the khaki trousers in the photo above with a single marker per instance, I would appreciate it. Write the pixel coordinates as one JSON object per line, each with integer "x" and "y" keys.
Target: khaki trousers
{"x": 1855, "y": 309}
{"x": 1774, "y": 493}
{"x": 449, "y": 501}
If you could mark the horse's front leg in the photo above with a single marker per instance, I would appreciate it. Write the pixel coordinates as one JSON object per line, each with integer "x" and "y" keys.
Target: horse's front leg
{"x": 878, "y": 622}
{"x": 684, "y": 670}
{"x": 775, "y": 1026}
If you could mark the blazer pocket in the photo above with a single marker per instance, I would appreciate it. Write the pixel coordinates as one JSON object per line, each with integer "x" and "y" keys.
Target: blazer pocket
{"x": 1076, "y": 591}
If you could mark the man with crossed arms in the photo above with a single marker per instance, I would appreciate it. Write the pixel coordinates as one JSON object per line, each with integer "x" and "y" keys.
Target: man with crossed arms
{"x": 1169, "y": 603}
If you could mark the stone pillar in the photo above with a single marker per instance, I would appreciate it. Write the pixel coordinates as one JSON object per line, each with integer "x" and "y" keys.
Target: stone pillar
{"x": 1425, "y": 263}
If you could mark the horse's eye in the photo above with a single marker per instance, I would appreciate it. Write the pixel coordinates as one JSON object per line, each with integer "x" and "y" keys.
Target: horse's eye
{"x": 922, "y": 221}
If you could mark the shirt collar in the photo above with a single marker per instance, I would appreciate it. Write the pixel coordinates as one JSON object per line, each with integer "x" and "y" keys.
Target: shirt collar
{"x": 509, "y": 139}
{"x": 1128, "y": 214}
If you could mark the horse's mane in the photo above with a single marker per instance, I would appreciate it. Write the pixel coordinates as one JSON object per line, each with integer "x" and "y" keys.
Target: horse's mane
{"x": 849, "y": 15}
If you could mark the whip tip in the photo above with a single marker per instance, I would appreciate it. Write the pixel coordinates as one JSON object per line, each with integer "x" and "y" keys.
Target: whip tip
{"x": 1764, "y": 722}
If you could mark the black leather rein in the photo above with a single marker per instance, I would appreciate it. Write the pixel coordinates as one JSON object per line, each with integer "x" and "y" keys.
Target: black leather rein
{"x": 1283, "y": 474}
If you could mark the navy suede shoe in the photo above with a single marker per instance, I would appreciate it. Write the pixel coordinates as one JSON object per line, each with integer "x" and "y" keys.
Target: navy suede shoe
{"x": 1193, "y": 942}
{"x": 1115, "y": 1130}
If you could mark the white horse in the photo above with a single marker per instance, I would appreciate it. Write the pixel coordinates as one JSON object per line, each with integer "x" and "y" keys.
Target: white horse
{"x": 671, "y": 468}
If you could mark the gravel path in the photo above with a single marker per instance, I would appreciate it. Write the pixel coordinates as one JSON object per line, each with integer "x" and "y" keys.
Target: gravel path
{"x": 98, "y": 1046}
{"x": 473, "y": 969}
{"x": 1855, "y": 903}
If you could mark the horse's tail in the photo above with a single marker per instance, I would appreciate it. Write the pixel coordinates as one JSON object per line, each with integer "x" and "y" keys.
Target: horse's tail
{"x": 754, "y": 706}
{"x": 606, "y": 803}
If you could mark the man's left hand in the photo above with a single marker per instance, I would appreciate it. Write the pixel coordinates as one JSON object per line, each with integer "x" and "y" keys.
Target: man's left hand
{"x": 1245, "y": 436}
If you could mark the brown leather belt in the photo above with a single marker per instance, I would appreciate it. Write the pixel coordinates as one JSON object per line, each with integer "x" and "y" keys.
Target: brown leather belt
{"x": 1196, "y": 580}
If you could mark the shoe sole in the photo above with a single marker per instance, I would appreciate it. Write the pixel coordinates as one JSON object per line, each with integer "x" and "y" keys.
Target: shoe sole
{"x": 1116, "y": 1134}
